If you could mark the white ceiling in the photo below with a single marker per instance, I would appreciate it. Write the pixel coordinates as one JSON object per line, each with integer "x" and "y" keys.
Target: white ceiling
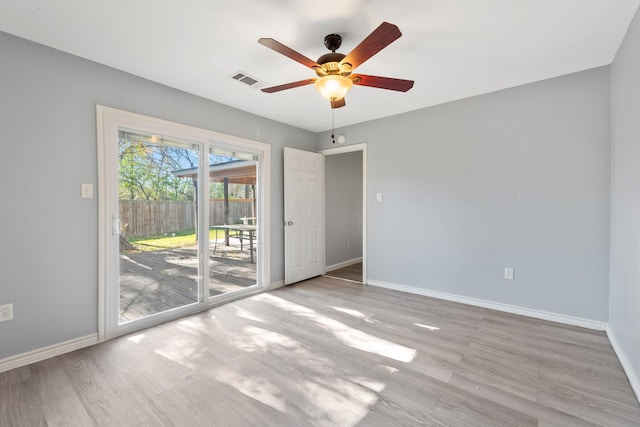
{"x": 453, "y": 49}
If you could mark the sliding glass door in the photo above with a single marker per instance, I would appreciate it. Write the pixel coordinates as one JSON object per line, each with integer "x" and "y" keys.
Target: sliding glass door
{"x": 158, "y": 243}
{"x": 180, "y": 212}
{"x": 232, "y": 221}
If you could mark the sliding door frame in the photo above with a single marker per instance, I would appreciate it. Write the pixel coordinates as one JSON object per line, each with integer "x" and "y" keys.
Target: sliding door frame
{"x": 109, "y": 122}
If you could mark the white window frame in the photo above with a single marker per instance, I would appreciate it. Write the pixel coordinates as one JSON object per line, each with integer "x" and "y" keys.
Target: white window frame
{"x": 109, "y": 122}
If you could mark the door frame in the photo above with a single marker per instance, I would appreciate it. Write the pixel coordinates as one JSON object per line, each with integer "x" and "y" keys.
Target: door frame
{"x": 108, "y": 121}
{"x": 348, "y": 149}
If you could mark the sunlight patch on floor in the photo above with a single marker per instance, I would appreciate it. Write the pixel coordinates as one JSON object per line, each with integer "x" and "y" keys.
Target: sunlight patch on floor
{"x": 245, "y": 314}
{"x": 349, "y": 336}
{"x": 389, "y": 369}
{"x": 193, "y": 324}
{"x": 431, "y": 328}
{"x": 253, "y": 339}
{"x": 183, "y": 350}
{"x": 369, "y": 383}
{"x": 137, "y": 338}
{"x": 340, "y": 402}
{"x": 257, "y": 339}
{"x": 255, "y": 387}
{"x": 355, "y": 313}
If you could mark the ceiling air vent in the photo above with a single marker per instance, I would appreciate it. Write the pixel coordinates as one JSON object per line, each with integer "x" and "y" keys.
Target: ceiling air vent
{"x": 246, "y": 79}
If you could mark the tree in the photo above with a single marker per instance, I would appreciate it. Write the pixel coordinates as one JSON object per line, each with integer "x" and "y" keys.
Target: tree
{"x": 146, "y": 170}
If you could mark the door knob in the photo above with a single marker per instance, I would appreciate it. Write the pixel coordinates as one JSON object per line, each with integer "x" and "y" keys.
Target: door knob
{"x": 289, "y": 222}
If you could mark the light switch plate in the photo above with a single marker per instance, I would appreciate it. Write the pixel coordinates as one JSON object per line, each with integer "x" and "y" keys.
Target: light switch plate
{"x": 508, "y": 273}
{"x": 86, "y": 191}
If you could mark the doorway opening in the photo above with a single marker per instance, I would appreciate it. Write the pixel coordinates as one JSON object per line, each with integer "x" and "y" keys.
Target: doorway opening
{"x": 345, "y": 212}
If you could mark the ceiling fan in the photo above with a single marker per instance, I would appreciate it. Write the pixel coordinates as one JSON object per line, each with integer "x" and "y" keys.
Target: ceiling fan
{"x": 334, "y": 70}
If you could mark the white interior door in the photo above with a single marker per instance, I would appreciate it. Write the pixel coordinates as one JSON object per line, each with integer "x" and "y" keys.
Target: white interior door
{"x": 303, "y": 215}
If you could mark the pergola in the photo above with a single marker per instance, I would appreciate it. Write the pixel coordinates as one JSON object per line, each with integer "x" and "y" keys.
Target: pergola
{"x": 232, "y": 172}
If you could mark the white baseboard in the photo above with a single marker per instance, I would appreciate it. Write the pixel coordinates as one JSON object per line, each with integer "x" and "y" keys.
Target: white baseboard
{"x": 37, "y": 355}
{"x": 632, "y": 375}
{"x": 276, "y": 285}
{"x": 43, "y": 353}
{"x": 514, "y": 309}
{"x": 343, "y": 264}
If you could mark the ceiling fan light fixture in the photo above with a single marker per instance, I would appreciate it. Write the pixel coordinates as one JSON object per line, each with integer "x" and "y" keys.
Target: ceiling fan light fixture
{"x": 334, "y": 69}
{"x": 333, "y": 86}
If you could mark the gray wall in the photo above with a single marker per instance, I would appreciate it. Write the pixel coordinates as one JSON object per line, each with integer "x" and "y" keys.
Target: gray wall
{"x": 343, "y": 206}
{"x": 49, "y": 251}
{"x": 517, "y": 178}
{"x": 624, "y": 308}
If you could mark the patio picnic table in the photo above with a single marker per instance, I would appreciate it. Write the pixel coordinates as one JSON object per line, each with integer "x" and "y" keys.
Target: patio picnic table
{"x": 241, "y": 229}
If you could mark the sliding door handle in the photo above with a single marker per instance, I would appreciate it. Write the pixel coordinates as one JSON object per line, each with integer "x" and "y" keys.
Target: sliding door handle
{"x": 115, "y": 225}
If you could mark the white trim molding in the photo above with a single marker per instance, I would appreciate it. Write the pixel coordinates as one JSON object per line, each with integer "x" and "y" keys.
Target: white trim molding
{"x": 343, "y": 264}
{"x": 348, "y": 149}
{"x": 632, "y": 375}
{"x": 507, "y": 308}
{"x": 43, "y": 353}
{"x": 276, "y": 285}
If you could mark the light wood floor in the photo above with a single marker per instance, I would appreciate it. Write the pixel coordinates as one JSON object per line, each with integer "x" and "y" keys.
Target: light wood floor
{"x": 351, "y": 272}
{"x": 333, "y": 353}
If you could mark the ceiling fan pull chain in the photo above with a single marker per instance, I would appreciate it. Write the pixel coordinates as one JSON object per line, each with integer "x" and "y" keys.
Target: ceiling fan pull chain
{"x": 333, "y": 125}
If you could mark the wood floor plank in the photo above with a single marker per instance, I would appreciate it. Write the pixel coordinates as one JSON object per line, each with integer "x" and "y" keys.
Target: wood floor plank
{"x": 19, "y": 406}
{"x": 60, "y": 403}
{"x": 15, "y": 376}
{"x": 66, "y": 410}
{"x": 208, "y": 402}
{"x": 351, "y": 272}
{"x": 588, "y": 382}
{"x": 457, "y": 411}
{"x": 332, "y": 353}
{"x": 49, "y": 380}
{"x": 93, "y": 388}
{"x": 500, "y": 376}
{"x": 147, "y": 415}
{"x": 555, "y": 418}
{"x": 593, "y": 411}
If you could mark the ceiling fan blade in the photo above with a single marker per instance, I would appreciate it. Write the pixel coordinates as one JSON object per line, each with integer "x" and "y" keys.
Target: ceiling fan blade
{"x": 288, "y": 52}
{"x": 337, "y": 103}
{"x": 380, "y": 38}
{"x": 382, "y": 82}
{"x": 288, "y": 86}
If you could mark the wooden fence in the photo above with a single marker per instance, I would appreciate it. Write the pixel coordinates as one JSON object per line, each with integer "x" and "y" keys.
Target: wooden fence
{"x": 150, "y": 217}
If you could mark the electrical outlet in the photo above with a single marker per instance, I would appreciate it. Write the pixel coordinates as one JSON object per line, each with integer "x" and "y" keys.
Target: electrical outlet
{"x": 508, "y": 273}
{"x": 6, "y": 312}
{"x": 348, "y": 244}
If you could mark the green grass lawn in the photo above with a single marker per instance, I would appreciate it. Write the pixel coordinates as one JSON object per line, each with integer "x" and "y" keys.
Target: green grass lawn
{"x": 170, "y": 240}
